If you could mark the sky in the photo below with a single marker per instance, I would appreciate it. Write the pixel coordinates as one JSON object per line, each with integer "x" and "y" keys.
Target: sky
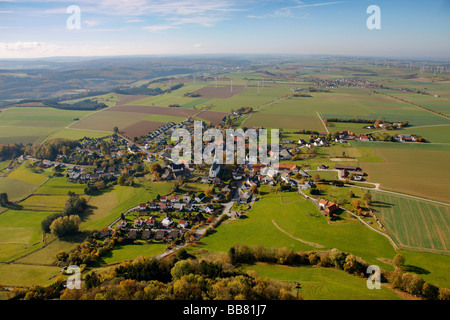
{"x": 40, "y": 28}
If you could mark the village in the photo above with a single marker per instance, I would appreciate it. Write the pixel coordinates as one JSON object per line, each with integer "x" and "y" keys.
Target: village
{"x": 178, "y": 217}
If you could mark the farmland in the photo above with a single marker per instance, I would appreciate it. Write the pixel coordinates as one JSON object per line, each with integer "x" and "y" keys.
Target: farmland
{"x": 415, "y": 224}
{"x": 416, "y": 172}
{"x": 408, "y": 181}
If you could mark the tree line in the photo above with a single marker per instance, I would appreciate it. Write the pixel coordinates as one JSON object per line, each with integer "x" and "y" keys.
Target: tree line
{"x": 181, "y": 277}
{"x": 334, "y": 258}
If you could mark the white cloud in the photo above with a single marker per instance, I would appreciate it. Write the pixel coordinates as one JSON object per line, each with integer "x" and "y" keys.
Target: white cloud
{"x": 21, "y": 49}
{"x": 159, "y": 28}
{"x": 91, "y": 23}
{"x": 198, "y": 45}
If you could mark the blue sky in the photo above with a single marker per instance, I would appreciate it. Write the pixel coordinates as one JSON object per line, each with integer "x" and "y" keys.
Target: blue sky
{"x": 122, "y": 27}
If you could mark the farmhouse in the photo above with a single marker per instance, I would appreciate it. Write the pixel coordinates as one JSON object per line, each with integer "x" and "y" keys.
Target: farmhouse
{"x": 288, "y": 167}
{"x": 328, "y": 206}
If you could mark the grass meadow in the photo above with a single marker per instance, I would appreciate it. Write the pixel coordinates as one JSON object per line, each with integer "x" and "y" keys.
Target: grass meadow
{"x": 323, "y": 283}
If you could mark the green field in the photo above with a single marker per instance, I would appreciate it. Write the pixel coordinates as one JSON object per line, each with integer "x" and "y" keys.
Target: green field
{"x": 324, "y": 283}
{"x": 414, "y": 224}
{"x": 76, "y": 134}
{"x": 298, "y": 219}
{"x": 24, "y": 275}
{"x": 16, "y": 189}
{"x": 416, "y": 172}
{"x": 34, "y": 124}
{"x": 20, "y": 232}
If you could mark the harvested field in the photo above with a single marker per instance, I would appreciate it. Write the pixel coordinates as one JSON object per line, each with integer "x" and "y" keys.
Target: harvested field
{"x": 213, "y": 116}
{"x": 221, "y": 92}
{"x": 141, "y": 128}
{"x": 154, "y": 110}
{"x": 127, "y": 98}
{"x": 28, "y": 104}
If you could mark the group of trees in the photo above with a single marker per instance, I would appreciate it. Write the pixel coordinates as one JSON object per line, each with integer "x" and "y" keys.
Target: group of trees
{"x": 10, "y": 151}
{"x": 89, "y": 251}
{"x": 89, "y": 105}
{"x": 179, "y": 278}
{"x": 51, "y": 148}
{"x": 66, "y": 222}
{"x": 145, "y": 90}
{"x": 413, "y": 283}
{"x": 330, "y": 258}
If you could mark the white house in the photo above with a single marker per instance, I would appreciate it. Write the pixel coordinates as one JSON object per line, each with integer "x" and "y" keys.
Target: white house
{"x": 167, "y": 222}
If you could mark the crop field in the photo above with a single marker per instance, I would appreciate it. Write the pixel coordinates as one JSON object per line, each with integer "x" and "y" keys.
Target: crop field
{"x": 212, "y": 116}
{"x": 76, "y": 134}
{"x": 278, "y": 121}
{"x": 33, "y": 124}
{"x": 179, "y": 112}
{"x": 164, "y": 118}
{"x": 415, "y": 224}
{"x": 434, "y": 134}
{"x": 220, "y": 92}
{"x": 417, "y": 172}
{"x": 140, "y": 128}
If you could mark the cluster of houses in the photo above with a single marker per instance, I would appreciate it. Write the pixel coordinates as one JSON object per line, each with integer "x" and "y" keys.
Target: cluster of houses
{"x": 157, "y": 139}
{"x": 165, "y": 229}
{"x": 406, "y": 138}
{"x": 344, "y": 82}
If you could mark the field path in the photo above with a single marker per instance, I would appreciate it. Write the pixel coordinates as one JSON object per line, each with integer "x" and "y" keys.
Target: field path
{"x": 312, "y": 244}
{"x": 321, "y": 120}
